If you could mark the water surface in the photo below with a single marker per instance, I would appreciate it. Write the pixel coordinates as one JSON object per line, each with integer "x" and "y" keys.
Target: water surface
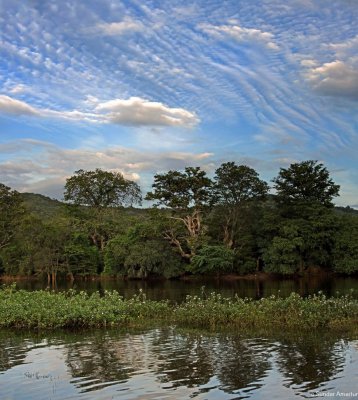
{"x": 168, "y": 363}
{"x": 177, "y": 290}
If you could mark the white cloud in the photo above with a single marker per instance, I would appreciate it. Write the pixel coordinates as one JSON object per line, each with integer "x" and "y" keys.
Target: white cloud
{"x": 335, "y": 78}
{"x": 134, "y": 111}
{"x": 138, "y": 111}
{"x": 118, "y": 28}
{"x": 18, "y": 89}
{"x": 309, "y": 63}
{"x": 8, "y": 105}
{"x": 240, "y": 34}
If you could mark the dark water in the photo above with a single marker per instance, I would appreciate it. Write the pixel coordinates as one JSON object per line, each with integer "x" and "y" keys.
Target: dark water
{"x": 177, "y": 290}
{"x": 167, "y": 363}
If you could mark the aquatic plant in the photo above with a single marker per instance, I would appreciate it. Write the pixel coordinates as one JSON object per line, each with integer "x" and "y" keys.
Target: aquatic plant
{"x": 49, "y": 310}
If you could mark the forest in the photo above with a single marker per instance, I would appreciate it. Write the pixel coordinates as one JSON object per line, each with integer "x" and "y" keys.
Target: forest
{"x": 233, "y": 223}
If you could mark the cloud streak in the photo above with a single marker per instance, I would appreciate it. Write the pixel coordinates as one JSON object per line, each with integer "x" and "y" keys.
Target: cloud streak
{"x": 9, "y": 105}
{"x": 134, "y": 111}
{"x": 241, "y": 34}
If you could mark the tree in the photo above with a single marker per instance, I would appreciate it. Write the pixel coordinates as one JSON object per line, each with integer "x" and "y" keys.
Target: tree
{"x": 345, "y": 255}
{"x": 141, "y": 252}
{"x": 101, "y": 189}
{"x": 212, "y": 259}
{"x": 236, "y": 187}
{"x": 11, "y": 213}
{"x": 306, "y": 182}
{"x": 306, "y": 224}
{"x": 186, "y": 194}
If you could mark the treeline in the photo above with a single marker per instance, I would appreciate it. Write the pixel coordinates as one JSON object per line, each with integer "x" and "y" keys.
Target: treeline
{"x": 196, "y": 225}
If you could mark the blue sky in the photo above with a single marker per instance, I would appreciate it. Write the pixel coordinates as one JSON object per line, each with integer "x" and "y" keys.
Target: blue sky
{"x": 146, "y": 86}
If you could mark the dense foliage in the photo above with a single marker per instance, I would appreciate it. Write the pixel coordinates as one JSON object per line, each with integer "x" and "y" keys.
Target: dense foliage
{"x": 198, "y": 225}
{"x": 49, "y": 310}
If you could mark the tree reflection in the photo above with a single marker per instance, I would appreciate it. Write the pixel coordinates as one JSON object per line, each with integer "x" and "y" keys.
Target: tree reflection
{"x": 13, "y": 350}
{"x": 242, "y": 363}
{"x": 311, "y": 359}
{"x": 184, "y": 359}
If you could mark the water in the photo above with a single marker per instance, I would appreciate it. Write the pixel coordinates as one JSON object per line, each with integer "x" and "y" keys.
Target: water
{"x": 168, "y": 363}
{"x": 177, "y": 290}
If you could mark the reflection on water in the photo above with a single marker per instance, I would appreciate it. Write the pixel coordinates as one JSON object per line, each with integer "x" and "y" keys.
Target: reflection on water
{"x": 168, "y": 363}
{"x": 177, "y": 290}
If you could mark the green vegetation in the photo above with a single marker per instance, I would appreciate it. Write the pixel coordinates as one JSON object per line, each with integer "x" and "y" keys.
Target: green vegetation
{"x": 197, "y": 225}
{"x": 49, "y": 310}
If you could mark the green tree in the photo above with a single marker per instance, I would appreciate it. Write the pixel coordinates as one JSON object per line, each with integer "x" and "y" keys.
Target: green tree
{"x": 212, "y": 259}
{"x": 101, "y": 189}
{"x": 306, "y": 223}
{"x": 101, "y": 192}
{"x": 345, "y": 255}
{"x": 82, "y": 258}
{"x": 11, "y": 213}
{"x": 141, "y": 252}
{"x": 236, "y": 187}
{"x": 186, "y": 194}
{"x": 307, "y": 182}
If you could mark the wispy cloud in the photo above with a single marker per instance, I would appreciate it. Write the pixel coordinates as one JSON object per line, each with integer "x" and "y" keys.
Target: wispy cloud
{"x": 240, "y": 34}
{"x": 15, "y": 107}
{"x": 47, "y": 166}
{"x": 128, "y": 25}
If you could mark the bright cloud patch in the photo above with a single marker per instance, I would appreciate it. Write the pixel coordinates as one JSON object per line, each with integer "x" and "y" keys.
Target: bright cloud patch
{"x": 240, "y": 34}
{"x": 335, "y": 79}
{"x": 133, "y": 112}
{"x": 118, "y": 28}
{"x": 12, "y": 106}
{"x": 138, "y": 111}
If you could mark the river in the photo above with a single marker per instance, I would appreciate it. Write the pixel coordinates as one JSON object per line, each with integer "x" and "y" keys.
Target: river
{"x": 172, "y": 363}
{"x": 177, "y": 290}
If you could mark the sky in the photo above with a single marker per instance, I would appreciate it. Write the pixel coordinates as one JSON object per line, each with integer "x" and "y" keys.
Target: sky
{"x": 143, "y": 86}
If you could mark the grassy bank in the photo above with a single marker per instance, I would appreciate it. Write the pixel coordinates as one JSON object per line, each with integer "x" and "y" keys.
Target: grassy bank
{"x": 50, "y": 310}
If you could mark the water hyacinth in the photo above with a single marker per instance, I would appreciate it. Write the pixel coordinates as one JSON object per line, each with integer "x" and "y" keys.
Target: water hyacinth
{"x": 71, "y": 309}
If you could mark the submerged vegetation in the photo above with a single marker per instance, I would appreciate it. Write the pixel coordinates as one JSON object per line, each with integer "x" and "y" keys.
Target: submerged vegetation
{"x": 228, "y": 224}
{"x": 50, "y": 310}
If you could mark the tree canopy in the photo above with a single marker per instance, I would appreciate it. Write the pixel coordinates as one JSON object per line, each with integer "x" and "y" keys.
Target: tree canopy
{"x": 11, "y": 212}
{"x": 307, "y": 181}
{"x": 100, "y": 189}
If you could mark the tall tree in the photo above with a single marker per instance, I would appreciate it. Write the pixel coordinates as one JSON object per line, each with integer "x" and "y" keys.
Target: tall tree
{"x": 186, "y": 194}
{"x": 11, "y": 213}
{"x": 236, "y": 187}
{"x": 307, "y": 182}
{"x": 307, "y": 224}
{"x": 99, "y": 191}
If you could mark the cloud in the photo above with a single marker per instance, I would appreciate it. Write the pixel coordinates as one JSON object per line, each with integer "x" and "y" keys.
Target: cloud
{"x": 240, "y": 34}
{"x": 11, "y": 106}
{"x": 335, "y": 78}
{"x": 134, "y": 111}
{"x": 141, "y": 112}
{"x": 118, "y": 28}
{"x": 36, "y": 166}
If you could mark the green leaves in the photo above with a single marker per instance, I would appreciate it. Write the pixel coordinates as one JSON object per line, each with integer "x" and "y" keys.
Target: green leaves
{"x": 212, "y": 259}
{"x": 305, "y": 182}
{"x": 235, "y": 184}
{"x": 181, "y": 190}
{"x": 11, "y": 212}
{"x": 100, "y": 189}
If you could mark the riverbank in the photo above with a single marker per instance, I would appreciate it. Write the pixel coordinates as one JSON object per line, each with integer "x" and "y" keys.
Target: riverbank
{"x": 49, "y": 310}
